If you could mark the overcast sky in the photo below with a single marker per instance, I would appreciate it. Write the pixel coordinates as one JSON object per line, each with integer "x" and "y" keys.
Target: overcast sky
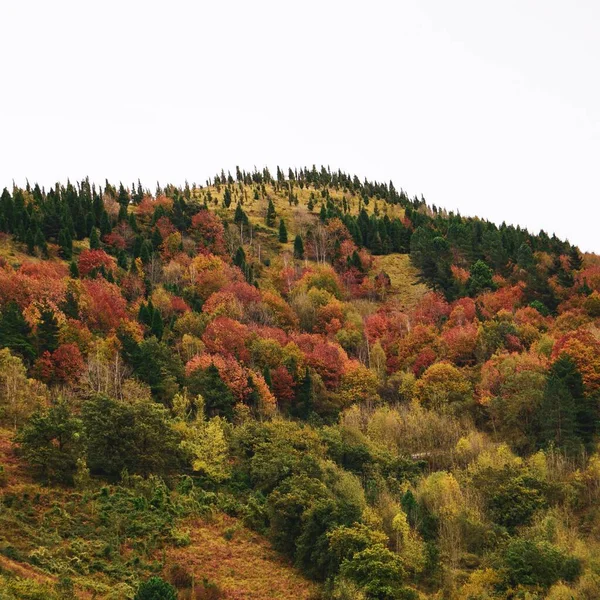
{"x": 491, "y": 108}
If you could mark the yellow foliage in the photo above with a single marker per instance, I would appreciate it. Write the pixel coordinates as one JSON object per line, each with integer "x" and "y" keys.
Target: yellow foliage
{"x": 441, "y": 493}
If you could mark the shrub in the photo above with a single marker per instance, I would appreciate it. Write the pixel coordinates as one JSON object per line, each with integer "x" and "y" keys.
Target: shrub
{"x": 531, "y": 563}
{"x": 156, "y": 588}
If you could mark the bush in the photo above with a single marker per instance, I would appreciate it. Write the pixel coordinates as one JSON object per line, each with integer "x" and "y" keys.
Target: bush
{"x": 531, "y": 563}
{"x": 156, "y": 589}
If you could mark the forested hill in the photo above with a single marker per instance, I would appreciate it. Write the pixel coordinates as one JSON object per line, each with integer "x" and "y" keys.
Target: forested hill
{"x": 301, "y": 378}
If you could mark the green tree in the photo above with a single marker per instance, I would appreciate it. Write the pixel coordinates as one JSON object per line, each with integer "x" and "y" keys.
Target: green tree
{"x": 51, "y": 443}
{"x": 283, "y": 235}
{"x": 47, "y": 331}
{"x": 538, "y": 564}
{"x": 480, "y": 278}
{"x": 65, "y": 244}
{"x": 94, "y": 239}
{"x": 271, "y": 214}
{"x": 15, "y": 332}
{"x": 218, "y": 399}
{"x": 134, "y": 435}
{"x": 298, "y": 247}
{"x": 156, "y": 588}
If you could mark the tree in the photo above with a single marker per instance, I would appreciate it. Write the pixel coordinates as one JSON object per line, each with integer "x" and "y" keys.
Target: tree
{"x": 538, "y": 563}
{"x": 65, "y": 244}
{"x": 271, "y": 214}
{"x": 283, "y": 235}
{"x": 156, "y": 588}
{"x": 19, "y": 395}
{"x": 378, "y": 571}
{"x": 51, "y": 443}
{"x": 47, "y": 331}
{"x": 94, "y": 239}
{"x": 15, "y": 332}
{"x": 218, "y": 398}
{"x": 136, "y": 436}
{"x": 298, "y": 247}
{"x": 480, "y": 279}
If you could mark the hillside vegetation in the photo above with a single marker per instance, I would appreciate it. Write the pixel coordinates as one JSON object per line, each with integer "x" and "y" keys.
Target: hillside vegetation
{"x": 299, "y": 385}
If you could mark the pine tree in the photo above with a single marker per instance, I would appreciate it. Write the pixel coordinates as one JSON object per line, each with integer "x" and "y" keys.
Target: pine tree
{"x": 157, "y": 325}
{"x": 74, "y": 270}
{"x": 270, "y": 218}
{"x": 94, "y": 239}
{"x": 15, "y": 332}
{"x": 65, "y": 244}
{"x": 303, "y": 405}
{"x": 40, "y": 242}
{"x": 298, "y": 247}
{"x": 30, "y": 241}
{"x": 47, "y": 331}
{"x": 283, "y": 235}
{"x": 227, "y": 198}
{"x": 267, "y": 376}
{"x": 575, "y": 259}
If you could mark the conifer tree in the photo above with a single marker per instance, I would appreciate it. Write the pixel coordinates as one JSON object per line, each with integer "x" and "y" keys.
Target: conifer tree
{"x": 283, "y": 235}
{"x": 227, "y": 198}
{"x": 40, "y": 242}
{"x": 298, "y": 247}
{"x": 270, "y": 218}
{"x": 157, "y": 325}
{"x": 47, "y": 331}
{"x": 65, "y": 244}
{"x": 74, "y": 270}
{"x": 15, "y": 332}
{"x": 94, "y": 239}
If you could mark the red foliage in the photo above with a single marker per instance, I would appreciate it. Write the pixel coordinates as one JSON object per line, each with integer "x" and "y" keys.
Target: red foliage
{"x": 43, "y": 369}
{"x": 431, "y": 310}
{"x": 165, "y": 227}
{"x": 68, "y": 363}
{"x": 283, "y": 385}
{"x": 105, "y": 306}
{"x": 506, "y": 298}
{"x": 463, "y": 311}
{"x": 227, "y": 337}
{"x": 94, "y": 259}
{"x": 115, "y": 240}
{"x": 209, "y": 232}
{"x": 460, "y": 343}
{"x": 584, "y": 348}
{"x": 327, "y": 360}
{"x": 424, "y": 360}
{"x": 42, "y": 282}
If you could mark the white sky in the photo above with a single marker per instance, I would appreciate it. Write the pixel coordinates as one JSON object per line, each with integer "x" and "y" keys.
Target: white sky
{"x": 491, "y": 108}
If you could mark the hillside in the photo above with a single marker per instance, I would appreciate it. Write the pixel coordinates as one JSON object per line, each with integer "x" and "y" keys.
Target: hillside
{"x": 292, "y": 385}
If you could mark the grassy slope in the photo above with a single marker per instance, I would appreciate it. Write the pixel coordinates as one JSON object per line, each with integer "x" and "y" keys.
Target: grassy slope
{"x": 47, "y": 532}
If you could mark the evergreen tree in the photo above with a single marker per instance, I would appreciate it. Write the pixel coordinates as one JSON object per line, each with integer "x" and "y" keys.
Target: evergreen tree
{"x": 575, "y": 259}
{"x": 65, "y": 244}
{"x": 480, "y": 279}
{"x": 74, "y": 270}
{"x": 47, "y": 331}
{"x": 218, "y": 399}
{"x": 304, "y": 403}
{"x": 30, "y": 241}
{"x": 40, "y": 242}
{"x": 227, "y": 198}
{"x": 270, "y": 218}
{"x": 15, "y": 332}
{"x": 267, "y": 376}
{"x": 94, "y": 239}
{"x": 157, "y": 325}
{"x": 298, "y": 247}
{"x": 283, "y": 235}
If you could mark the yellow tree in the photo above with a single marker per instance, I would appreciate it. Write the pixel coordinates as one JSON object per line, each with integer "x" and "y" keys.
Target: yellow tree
{"x": 19, "y": 396}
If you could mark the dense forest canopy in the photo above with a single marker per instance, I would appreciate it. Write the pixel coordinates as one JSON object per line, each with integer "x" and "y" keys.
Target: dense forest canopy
{"x": 403, "y": 401}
